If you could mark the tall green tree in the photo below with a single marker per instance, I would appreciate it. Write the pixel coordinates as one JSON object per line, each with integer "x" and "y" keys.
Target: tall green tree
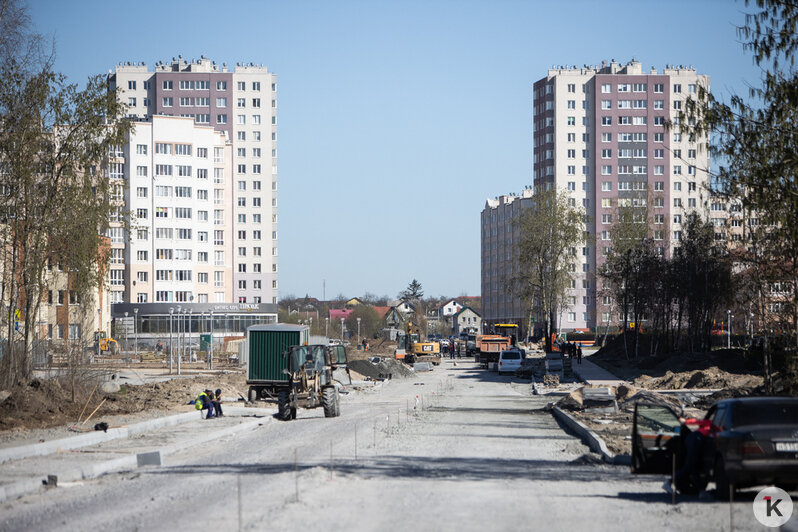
{"x": 55, "y": 203}
{"x": 550, "y": 231}
{"x": 413, "y": 292}
{"x": 756, "y": 142}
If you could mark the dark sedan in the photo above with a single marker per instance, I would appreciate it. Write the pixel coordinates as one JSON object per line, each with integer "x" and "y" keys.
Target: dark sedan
{"x": 753, "y": 441}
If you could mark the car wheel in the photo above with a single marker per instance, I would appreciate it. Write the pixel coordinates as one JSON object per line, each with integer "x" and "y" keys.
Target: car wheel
{"x": 722, "y": 484}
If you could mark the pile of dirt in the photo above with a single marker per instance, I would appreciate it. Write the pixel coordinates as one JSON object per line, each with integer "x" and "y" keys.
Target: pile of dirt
{"x": 386, "y": 368}
{"x": 712, "y": 377}
{"x": 45, "y": 403}
{"x": 651, "y": 398}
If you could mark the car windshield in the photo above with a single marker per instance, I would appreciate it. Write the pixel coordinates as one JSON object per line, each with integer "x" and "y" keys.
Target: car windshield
{"x": 765, "y": 413}
{"x": 511, "y": 356}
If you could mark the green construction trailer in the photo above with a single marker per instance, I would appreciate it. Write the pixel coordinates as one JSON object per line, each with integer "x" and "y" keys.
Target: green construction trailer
{"x": 266, "y": 345}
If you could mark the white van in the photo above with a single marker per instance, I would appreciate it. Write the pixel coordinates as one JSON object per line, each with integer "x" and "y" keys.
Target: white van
{"x": 509, "y": 361}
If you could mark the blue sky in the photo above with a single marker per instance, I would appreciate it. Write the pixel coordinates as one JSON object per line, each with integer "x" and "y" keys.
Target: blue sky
{"x": 397, "y": 120}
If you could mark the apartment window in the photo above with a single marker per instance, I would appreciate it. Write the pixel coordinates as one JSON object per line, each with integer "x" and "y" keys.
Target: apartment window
{"x": 677, "y": 186}
{"x": 163, "y": 148}
{"x": 606, "y": 186}
{"x": 624, "y": 87}
{"x": 167, "y": 85}
{"x": 221, "y": 119}
{"x": 241, "y": 102}
{"x": 659, "y": 120}
{"x": 659, "y": 219}
{"x": 606, "y": 218}
{"x": 202, "y": 256}
{"x": 677, "y": 202}
{"x": 142, "y": 234}
{"x": 571, "y": 121}
{"x": 182, "y": 149}
{"x": 242, "y": 251}
{"x": 659, "y": 153}
{"x": 255, "y": 102}
{"x": 571, "y": 104}
{"x": 242, "y": 235}
{"x": 606, "y": 88}
{"x": 691, "y": 203}
{"x": 256, "y": 120}
{"x": 572, "y": 154}
{"x": 242, "y": 285}
{"x": 218, "y": 238}
{"x": 659, "y": 137}
{"x": 677, "y": 88}
{"x": 659, "y": 186}
{"x": 221, "y": 85}
{"x": 141, "y": 214}
{"x": 606, "y": 137}
{"x": 131, "y": 102}
{"x": 203, "y": 119}
{"x": 202, "y": 173}
{"x": 606, "y": 203}
{"x": 183, "y": 212}
{"x": 677, "y": 105}
{"x": 572, "y": 170}
{"x": 256, "y": 85}
{"x": 186, "y": 102}
{"x": 659, "y": 105}
{"x": 184, "y": 171}
{"x": 571, "y": 87}
{"x": 659, "y": 88}
{"x": 167, "y": 101}
{"x": 202, "y": 102}
{"x": 606, "y": 120}
{"x": 606, "y": 154}
{"x": 241, "y": 119}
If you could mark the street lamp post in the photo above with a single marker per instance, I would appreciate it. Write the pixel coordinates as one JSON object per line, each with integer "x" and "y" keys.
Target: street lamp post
{"x": 728, "y": 331}
{"x": 211, "y": 349}
{"x": 171, "y": 349}
{"x": 136, "y": 331}
{"x": 342, "y": 330}
{"x": 190, "y": 356}
{"x": 326, "y": 325}
{"x": 358, "y": 331}
{"x": 179, "y": 326}
{"x": 127, "y": 347}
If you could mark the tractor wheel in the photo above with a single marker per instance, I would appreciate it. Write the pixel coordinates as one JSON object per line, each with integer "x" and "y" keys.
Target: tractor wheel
{"x": 284, "y": 405}
{"x": 253, "y": 394}
{"x": 337, "y": 403}
{"x": 328, "y": 401}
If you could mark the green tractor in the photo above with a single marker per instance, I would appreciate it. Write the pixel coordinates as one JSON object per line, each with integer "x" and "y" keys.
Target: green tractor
{"x": 310, "y": 383}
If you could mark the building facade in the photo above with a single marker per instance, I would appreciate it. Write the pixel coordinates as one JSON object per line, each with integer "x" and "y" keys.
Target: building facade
{"x": 499, "y": 258}
{"x": 240, "y": 105}
{"x": 179, "y": 193}
{"x": 601, "y": 134}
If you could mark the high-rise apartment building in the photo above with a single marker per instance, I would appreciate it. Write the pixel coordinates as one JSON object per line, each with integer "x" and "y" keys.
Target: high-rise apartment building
{"x": 180, "y": 246}
{"x": 601, "y": 134}
{"x": 241, "y": 107}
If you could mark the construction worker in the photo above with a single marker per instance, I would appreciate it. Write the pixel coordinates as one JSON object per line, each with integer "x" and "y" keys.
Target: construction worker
{"x": 204, "y": 402}
{"x": 217, "y": 402}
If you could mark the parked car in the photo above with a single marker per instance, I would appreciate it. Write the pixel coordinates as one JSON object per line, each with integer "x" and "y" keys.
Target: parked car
{"x": 753, "y": 441}
{"x": 509, "y": 361}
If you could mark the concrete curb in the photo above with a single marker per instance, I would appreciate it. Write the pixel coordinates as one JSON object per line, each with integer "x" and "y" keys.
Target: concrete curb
{"x": 589, "y": 437}
{"x": 129, "y": 462}
{"x": 93, "y": 438}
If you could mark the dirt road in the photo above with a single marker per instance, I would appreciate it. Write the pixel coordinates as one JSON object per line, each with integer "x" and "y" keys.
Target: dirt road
{"x": 481, "y": 455}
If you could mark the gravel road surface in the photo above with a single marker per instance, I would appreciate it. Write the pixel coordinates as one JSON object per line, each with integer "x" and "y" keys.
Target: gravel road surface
{"x": 458, "y": 449}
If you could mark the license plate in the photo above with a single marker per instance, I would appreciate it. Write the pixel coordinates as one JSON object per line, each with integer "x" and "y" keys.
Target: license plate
{"x": 786, "y": 446}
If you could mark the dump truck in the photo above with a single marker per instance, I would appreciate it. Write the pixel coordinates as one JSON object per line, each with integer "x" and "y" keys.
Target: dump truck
{"x": 488, "y": 348}
{"x": 310, "y": 380}
{"x": 267, "y": 367}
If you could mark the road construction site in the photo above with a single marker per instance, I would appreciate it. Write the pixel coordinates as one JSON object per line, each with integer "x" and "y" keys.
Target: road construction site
{"x": 455, "y": 448}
